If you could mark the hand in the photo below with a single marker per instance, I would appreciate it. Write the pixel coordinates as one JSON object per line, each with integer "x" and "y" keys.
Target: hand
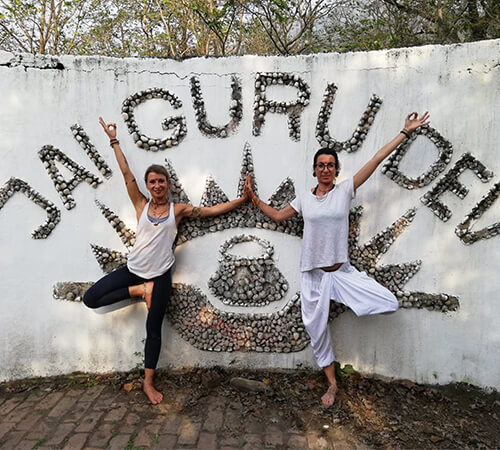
{"x": 247, "y": 188}
{"x": 109, "y": 129}
{"x": 412, "y": 121}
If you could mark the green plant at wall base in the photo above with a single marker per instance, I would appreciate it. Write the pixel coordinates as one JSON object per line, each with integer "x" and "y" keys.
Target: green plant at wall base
{"x": 342, "y": 373}
{"x": 130, "y": 443}
{"x": 40, "y": 442}
{"x": 156, "y": 438}
{"x": 139, "y": 366}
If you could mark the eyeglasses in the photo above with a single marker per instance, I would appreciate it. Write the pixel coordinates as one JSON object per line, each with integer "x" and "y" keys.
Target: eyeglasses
{"x": 322, "y": 166}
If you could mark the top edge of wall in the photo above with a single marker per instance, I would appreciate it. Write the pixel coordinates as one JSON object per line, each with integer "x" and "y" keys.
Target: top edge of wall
{"x": 79, "y": 62}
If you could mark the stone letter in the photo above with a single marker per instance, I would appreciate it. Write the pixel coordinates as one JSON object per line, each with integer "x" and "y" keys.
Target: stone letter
{"x": 53, "y": 214}
{"x": 235, "y": 110}
{"x": 449, "y": 182}
{"x": 445, "y": 152}
{"x": 463, "y": 230}
{"x": 177, "y": 123}
{"x": 48, "y": 154}
{"x": 359, "y": 134}
{"x": 293, "y": 109}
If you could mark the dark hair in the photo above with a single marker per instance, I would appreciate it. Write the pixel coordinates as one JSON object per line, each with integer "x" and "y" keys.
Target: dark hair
{"x": 156, "y": 168}
{"x": 327, "y": 151}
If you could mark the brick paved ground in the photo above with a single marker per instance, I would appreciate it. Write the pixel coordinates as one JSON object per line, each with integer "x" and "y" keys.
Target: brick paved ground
{"x": 106, "y": 416}
{"x": 202, "y": 410}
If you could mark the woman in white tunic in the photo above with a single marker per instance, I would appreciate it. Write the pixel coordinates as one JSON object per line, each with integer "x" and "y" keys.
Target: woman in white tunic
{"x": 325, "y": 270}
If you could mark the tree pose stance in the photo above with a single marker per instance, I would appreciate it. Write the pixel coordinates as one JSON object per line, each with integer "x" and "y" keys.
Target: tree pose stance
{"x": 325, "y": 270}
{"x": 147, "y": 273}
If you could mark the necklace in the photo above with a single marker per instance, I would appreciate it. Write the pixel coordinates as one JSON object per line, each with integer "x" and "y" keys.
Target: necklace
{"x": 156, "y": 213}
{"x": 321, "y": 191}
{"x": 155, "y": 204}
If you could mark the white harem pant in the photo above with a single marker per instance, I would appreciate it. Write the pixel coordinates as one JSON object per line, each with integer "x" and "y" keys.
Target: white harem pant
{"x": 346, "y": 285}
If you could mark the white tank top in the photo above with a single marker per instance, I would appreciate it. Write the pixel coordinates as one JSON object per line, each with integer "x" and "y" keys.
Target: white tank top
{"x": 326, "y": 226}
{"x": 152, "y": 254}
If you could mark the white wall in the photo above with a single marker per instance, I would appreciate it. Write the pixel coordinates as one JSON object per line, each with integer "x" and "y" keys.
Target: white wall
{"x": 457, "y": 84}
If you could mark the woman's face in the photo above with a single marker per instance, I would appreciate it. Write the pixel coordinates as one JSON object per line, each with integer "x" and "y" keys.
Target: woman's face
{"x": 325, "y": 169}
{"x": 157, "y": 185}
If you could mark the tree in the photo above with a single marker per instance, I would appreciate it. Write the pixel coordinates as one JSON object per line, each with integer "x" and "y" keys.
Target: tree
{"x": 44, "y": 26}
{"x": 290, "y": 26}
{"x": 375, "y": 24}
{"x": 184, "y": 28}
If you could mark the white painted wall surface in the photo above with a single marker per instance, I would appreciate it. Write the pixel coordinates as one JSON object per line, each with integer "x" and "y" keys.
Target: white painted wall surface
{"x": 458, "y": 84}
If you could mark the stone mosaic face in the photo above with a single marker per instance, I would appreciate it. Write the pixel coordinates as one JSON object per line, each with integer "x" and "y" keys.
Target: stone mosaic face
{"x": 245, "y": 281}
{"x": 208, "y": 328}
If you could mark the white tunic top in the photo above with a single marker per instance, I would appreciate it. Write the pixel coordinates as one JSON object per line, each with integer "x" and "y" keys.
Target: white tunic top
{"x": 152, "y": 254}
{"x": 326, "y": 226}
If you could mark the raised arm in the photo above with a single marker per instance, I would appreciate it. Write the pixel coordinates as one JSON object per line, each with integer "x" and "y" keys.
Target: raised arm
{"x": 136, "y": 196}
{"x": 277, "y": 215}
{"x": 412, "y": 122}
{"x": 184, "y": 210}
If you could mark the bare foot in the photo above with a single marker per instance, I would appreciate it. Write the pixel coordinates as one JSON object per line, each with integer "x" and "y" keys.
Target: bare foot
{"x": 148, "y": 292}
{"x": 328, "y": 398}
{"x": 155, "y": 397}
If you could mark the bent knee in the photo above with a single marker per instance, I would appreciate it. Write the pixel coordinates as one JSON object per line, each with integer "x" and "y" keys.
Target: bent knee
{"x": 392, "y": 308}
{"x": 89, "y": 300}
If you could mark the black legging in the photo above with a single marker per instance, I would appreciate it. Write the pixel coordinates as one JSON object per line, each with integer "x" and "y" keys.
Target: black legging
{"x": 114, "y": 287}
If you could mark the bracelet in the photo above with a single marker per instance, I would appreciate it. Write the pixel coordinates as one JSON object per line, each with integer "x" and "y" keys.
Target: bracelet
{"x": 403, "y": 131}
{"x": 255, "y": 200}
{"x": 113, "y": 142}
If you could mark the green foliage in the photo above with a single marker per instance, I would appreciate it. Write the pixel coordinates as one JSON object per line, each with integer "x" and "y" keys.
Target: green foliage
{"x": 139, "y": 365}
{"x": 342, "y": 373}
{"x": 375, "y": 24}
{"x": 130, "y": 443}
{"x": 39, "y": 443}
{"x": 184, "y": 28}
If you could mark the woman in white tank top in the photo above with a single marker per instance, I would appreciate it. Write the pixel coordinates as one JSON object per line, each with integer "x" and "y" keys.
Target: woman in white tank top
{"x": 325, "y": 270}
{"x": 147, "y": 273}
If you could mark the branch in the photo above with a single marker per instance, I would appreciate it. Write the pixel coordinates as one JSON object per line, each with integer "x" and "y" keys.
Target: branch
{"x": 167, "y": 29}
{"x": 11, "y": 34}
